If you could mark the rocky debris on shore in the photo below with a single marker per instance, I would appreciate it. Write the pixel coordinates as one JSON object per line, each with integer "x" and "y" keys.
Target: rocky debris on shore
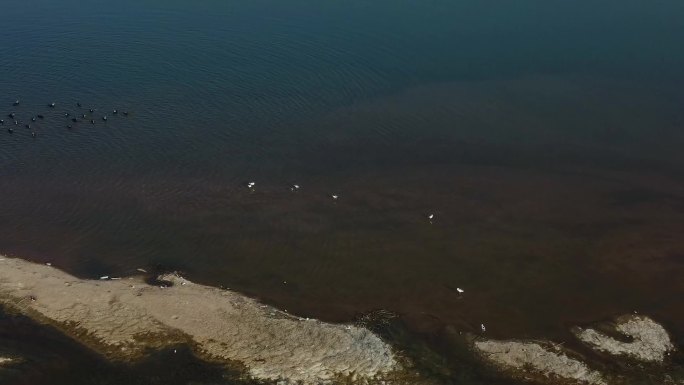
{"x": 650, "y": 341}
{"x": 539, "y": 360}
{"x": 124, "y": 319}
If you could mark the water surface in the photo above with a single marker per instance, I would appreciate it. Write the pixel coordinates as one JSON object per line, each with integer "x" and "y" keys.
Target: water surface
{"x": 545, "y": 136}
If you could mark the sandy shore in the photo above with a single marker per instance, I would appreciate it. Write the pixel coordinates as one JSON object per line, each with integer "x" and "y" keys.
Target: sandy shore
{"x": 545, "y": 361}
{"x": 125, "y": 318}
{"x": 650, "y": 341}
{"x": 549, "y": 363}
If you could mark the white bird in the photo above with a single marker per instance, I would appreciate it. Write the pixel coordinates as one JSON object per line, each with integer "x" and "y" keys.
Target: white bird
{"x": 104, "y": 277}
{"x": 459, "y": 290}
{"x": 335, "y": 196}
{"x": 251, "y": 185}
{"x": 484, "y": 329}
{"x": 294, "y": 187}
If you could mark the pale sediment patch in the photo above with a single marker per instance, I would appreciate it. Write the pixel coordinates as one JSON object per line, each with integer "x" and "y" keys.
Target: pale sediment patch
{"x": 125, "y": 318}
{"x": 650, "y": 341}
{"x": 6, "y": 361}
{"x": 542, "y": 361}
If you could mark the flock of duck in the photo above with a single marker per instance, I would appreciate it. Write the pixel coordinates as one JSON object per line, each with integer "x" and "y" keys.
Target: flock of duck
{"x": 71, "y": 119}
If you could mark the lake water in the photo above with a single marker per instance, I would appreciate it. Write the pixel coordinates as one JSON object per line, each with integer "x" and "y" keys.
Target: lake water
{"x": 545, "y": 136}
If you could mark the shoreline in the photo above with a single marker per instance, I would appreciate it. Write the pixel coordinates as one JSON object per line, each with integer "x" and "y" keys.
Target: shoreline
{"x": 125, "y": 319}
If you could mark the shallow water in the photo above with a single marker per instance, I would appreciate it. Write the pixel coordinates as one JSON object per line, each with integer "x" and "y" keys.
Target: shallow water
{"x": 545, "y": 136}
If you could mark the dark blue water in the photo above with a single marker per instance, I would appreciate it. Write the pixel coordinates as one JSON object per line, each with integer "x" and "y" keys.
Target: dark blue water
{"x": 545, "y": 136}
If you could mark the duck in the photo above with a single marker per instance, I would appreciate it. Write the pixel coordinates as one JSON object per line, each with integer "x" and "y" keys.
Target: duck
{"x": 115, "y": 111}
{"x": 10, "y": 130}
{"x": 52, "y": 105}
{"x": 91, "y": 110}
{"x": 250, "y": 185}
{"x": 69, "y": 126}
{"x": 74, "y": 120}
{"x": 294, "y": 187}
{"x": 83, "y": 116}
{"x": 66, "y": 114}
{"x": 78, "y": 104}
{"x": 104, "y": 118}
{"x": 125, "y": 113}
{"x": 334, "y": 196}
{"x": 28, "y": 126}
{"x": 33, "y": 134}
{"x": 40, "y": 116}
{"x": 92, "y": 121}
{"x": 11, "y": 115}
{"x": 33, "y": 119}
{"x": 2, "y": 122}
{"x": 16, "y": 103}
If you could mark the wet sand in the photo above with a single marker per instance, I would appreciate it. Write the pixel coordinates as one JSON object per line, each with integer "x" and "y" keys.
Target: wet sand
{"x": 124, "y": 319}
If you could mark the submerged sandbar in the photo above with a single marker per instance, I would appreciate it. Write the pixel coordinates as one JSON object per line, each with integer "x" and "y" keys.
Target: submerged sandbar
{"x": 125, "y": 318}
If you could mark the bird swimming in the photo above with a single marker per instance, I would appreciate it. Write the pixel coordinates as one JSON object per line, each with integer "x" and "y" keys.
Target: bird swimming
{"x": 2, "y": 121}
{"x": 40, "y": 116}
{"x": 16, "y": 102}
{"x": 66, "y": 114}
{"x": 294, "y": 187}
{"x": 69, "y": 126}
{"x": 33, "y": 134}
{"x": 125, "y": 113}
{"x": 28, "y": 126}
{"x": 10, "y": 130}
{"x": 104, "y": 118}
{"x": 335, "y": 196}
{"x": 33, "y": 119}
{"x": 250, "y": 185}
{"x": 92, "y": 121}
{"x": 91, "y": 110}
{"x": 74, "y": 120}
{"x": 52, "y": 105}
{"x": 115, "y": 111}
{"x": 11, "y": 115}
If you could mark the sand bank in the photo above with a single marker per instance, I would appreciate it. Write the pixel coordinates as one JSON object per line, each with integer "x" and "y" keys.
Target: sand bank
{"x": 544, "y": 361}
{"x": 125, "y": 318}
{"x": 649, "y": 340}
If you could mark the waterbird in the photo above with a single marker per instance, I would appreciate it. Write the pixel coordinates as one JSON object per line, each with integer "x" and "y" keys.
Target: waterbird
{"x": 91, "y": 110}
{"x": 115, "y": 111}
{"x": 16, "y": 123}
{"x": 40, "y": 116}
{"x": 294, "y": 187}
{"x": 69, "y": 126}
{"x": 104, "y": 118}
{"x": 250, "y": 185}
{"x": 78, "y": 104}
{"x": 16, "y": 102}
{"x": 484, "y": 329}
{"x": 431, "y": 217}
{"x": 33, "y": 119}
{"x": 28, "y": 126}
{"x": 92, "y": 121}
{"x": 459, "y": 290}
{"x": 66, "y": 114}
{"x": 10, "y": 130}
{"x": 104, "y": 277}
{"x": 125, "y": 113}
{"x": 74, "y": 120}
{"x": 11, "y": 115}
{"x": 33, "y": 134}
{"x": 2, "y": 121}
{"x": 83, "y": 116}
{"x": 52, "y": 105}
{"x": 335, "y": 196}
